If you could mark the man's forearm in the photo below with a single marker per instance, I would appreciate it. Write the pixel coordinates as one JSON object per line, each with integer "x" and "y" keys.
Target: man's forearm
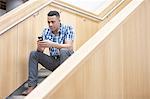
{"x": 59, "y": 46}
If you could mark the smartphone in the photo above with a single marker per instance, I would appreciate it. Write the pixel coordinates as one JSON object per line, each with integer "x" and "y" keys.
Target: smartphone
{"x": 40, "y": 38}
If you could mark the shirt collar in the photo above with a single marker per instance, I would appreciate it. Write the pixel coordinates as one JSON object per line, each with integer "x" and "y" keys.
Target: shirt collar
{"x": 59, "y": 31}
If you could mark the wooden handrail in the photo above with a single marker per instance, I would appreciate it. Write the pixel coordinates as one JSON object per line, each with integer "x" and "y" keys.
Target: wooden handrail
{"x": 93, "y": 15}
{"x": 39, "y": 4}
{"x": 110, "y": 11}
{"x": 74, "y": 9}
{"x": 69, "y": 65}
{"x": 9, "y": 19}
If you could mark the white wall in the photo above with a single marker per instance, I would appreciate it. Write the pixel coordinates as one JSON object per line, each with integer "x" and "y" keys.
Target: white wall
{"x": 89, "y": 5}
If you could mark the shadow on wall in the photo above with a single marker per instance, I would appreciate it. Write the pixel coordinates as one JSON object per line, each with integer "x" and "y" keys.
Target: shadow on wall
{"x": 7, "y": 5}
{"x": 11, "y": 4}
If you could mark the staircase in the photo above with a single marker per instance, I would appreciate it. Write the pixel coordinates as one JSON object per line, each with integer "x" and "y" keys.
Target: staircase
{"x": 115, "y": 66}
{"x": 42, "y": 74}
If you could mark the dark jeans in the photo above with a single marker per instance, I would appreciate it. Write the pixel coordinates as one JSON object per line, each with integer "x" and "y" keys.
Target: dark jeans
{"x": 48, "y": 62}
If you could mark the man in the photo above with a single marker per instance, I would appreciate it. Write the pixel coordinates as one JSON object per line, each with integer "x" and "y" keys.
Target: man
{"x": 59, "y": 39}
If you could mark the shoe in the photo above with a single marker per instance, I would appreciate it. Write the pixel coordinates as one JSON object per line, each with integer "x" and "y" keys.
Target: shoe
{"x": 26, "y": 92}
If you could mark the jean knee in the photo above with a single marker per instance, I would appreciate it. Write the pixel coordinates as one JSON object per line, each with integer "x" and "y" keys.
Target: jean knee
{"x": 66, "y": 51}
{"x": 33, "y": 54}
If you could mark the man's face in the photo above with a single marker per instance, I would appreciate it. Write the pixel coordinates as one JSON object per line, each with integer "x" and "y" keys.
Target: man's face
{"x": 54, "y": 23}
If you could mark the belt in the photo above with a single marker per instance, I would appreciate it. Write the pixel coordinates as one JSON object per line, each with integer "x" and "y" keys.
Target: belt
{"x": 56, "y": 57}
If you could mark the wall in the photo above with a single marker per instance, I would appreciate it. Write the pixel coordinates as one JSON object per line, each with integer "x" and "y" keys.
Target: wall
{"x": 21, "y": 39}
{"x": 18, "y": 41}
{"x": 118, "y": 68}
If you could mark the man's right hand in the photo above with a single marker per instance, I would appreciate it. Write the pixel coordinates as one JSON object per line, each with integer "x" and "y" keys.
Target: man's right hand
{"x": 39, "y": 48}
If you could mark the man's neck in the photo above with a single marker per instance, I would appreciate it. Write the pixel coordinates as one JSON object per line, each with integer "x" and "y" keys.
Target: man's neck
{"x": 57, "y": 31}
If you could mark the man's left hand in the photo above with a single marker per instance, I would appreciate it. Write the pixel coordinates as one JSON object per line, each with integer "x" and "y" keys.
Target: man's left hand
{"x": 46, "y": 44}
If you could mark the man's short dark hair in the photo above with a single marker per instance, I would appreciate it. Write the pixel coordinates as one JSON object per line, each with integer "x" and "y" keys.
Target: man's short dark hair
{"x": 53, "y": 13}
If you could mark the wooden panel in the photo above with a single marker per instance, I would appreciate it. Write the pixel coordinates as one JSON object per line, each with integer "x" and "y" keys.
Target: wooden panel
{"x": 124, "y": 75}
{"x": 8, "y": 62}
{"x": 116, "y": 67}
{"x": 85, "y": 30}
{"x": 99, "y": 76}
{"x": 114, "y": 4}
{"x": 25, "y": 36}
{"x": 137, "y": 54}
{"x": 26, "y": 43}
{"x": 39, "y": 22}
{"x": 111, "y": 15}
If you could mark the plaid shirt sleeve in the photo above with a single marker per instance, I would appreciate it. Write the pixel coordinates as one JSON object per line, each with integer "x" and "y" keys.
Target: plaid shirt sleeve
{"x": 45, "y": 32}
{"x": 70, "y": 33}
